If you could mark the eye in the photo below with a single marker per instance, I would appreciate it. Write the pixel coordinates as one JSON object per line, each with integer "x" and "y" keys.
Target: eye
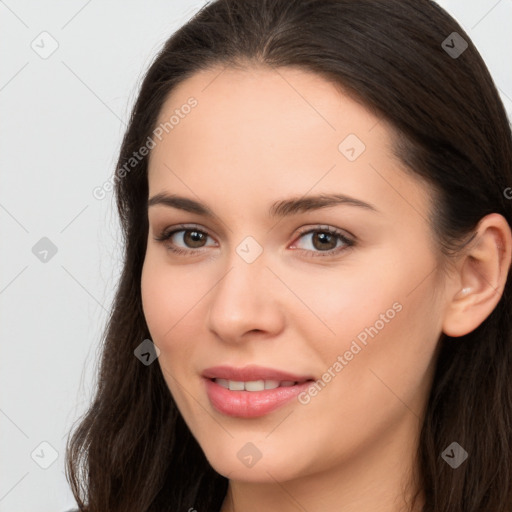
{"x": 324, "y": 240}
{"x": 193, "y": 238}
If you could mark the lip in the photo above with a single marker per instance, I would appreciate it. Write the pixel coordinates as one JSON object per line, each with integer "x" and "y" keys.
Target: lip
{"x": 252, "y": 372}
{"x": 251, "y": 404}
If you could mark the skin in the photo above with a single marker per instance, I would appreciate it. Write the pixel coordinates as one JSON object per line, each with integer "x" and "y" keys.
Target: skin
{"x": 258, "y": 136}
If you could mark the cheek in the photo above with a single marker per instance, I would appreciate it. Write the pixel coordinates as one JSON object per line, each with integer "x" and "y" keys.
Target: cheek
{"x": 389, "y": 350}
{"x": 388, "y": 291}
{"x": 386, "y": 319}
{"x": 338, "y": 305}
{"x": 168, "y": 296}
{"x": 173, "y": 300}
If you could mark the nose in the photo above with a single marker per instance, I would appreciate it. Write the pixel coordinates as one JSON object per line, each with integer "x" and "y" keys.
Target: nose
{"x": 245, "y": 301}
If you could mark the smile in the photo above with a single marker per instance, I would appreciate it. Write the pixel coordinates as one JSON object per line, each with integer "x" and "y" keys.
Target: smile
{"x": 251, "y": 399}
{"x": 254, "y": 385}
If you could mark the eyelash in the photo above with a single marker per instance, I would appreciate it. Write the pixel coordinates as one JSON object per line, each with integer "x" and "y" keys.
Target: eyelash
{"x": 348, "y": 243}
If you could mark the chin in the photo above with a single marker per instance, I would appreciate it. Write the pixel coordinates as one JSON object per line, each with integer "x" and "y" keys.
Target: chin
{"x": 237, "y": 464}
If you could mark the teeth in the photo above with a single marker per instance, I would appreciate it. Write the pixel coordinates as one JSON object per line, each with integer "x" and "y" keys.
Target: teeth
{"x": 253, "y": 385}
{"x": 235, "y": 385}
{"x": 222, "y": 382}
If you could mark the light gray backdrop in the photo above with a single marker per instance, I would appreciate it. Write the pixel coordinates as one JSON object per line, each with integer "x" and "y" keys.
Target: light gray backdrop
{"x": 68, "y": 77}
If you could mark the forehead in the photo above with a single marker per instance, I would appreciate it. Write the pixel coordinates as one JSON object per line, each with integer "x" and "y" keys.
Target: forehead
{"x": 257, "y": 131}
{"x": 259, "y": 102}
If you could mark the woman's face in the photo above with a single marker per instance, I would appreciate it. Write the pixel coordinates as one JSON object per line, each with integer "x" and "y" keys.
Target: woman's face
{"x": 348, "y": 295}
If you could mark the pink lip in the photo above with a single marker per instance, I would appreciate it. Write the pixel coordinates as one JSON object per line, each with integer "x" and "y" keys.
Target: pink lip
{"x": 252, "y": 372}
{"x": 251, "y": 404}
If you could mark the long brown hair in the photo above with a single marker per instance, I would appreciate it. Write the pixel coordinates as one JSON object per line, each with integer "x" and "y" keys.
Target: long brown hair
{"x": 132, "y": 450}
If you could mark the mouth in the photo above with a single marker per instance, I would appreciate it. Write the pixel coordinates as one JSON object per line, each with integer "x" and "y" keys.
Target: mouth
{"x": 256, "y": 385}
{"x": 252, "y": 391}
{"x": 253, "y": 373}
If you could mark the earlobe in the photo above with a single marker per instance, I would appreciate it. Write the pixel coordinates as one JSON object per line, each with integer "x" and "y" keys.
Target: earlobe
{"x": 480, "y": 278}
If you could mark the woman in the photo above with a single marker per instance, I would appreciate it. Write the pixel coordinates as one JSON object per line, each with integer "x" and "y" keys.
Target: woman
{"x": 314, "y": 309}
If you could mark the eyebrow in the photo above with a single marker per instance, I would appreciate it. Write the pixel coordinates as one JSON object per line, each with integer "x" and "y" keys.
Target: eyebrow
{"x": 283, "y": 208}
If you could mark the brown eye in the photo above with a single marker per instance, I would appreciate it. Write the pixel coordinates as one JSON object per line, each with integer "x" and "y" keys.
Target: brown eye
{"x": 324, "y": 241}
{"x": 186, "y": 240}
{"x": 194, "y": 239}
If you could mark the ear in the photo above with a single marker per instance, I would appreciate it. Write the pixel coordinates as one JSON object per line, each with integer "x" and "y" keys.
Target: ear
{"x": 478, "y": 283}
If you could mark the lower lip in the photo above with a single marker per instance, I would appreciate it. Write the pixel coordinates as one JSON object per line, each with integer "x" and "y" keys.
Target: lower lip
{"x": 251, "y": 404}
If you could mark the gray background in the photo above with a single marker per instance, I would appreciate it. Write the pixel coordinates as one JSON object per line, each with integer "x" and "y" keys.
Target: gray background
{"x": 62, "y": 119}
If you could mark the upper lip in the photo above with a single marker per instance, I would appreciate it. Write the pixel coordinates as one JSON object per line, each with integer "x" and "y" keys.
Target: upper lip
{"x": 252, "y": 373}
